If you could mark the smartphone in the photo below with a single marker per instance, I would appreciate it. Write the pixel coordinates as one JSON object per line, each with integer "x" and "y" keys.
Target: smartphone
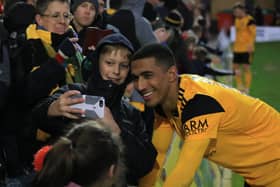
{"x": 94, "y": 106}
{"x": 93, "y": 35}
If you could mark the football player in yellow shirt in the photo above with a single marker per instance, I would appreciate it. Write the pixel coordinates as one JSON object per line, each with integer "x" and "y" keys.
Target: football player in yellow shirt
{"x": 214, "y": 121}
{"x": 243, "y": 47}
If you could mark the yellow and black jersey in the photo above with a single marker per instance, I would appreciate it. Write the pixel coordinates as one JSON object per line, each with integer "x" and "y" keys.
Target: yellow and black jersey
{"x": 243, "y": 131}
{"x": 245, "y": 34}
{"x": 162, "y": 139}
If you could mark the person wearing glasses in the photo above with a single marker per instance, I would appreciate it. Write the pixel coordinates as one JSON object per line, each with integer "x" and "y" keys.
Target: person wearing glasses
{"x": 47, "y": 63}
{"x": 53, "y": 46}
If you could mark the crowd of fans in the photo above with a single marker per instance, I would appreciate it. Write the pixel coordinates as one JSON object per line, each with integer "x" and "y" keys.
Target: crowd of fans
{"x": 44, "y": 40}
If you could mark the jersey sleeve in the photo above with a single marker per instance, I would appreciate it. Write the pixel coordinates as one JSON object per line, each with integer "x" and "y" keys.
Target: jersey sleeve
{"x": 202, "y": 127}
{"x": 252, "y": 29}
{"x": 201, "y": 118}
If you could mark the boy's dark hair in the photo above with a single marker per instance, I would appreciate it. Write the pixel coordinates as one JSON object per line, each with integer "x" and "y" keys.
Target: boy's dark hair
{"x": 42, "y": 5}
{"x": 162, "y": 54}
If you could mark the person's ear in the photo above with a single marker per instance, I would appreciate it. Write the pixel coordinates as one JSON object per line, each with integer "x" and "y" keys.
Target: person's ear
{"x": 172, "y": 73}
{"x": 112, "y": 170}
{"x": 38, "y": 19}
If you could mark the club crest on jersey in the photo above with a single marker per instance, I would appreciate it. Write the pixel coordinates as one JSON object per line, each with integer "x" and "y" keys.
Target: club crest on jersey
{"x": 195, "y": 127}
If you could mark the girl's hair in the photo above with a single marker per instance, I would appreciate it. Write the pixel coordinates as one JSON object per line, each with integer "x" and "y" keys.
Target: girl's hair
{"x": 83, "y": 156}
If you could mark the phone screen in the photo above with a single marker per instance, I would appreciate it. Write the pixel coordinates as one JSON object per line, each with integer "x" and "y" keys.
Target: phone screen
{"x": 94, "y": 106}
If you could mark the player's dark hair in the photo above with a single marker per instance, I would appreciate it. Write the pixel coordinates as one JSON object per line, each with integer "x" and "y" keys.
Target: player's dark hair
{"x": 162, "y": 54}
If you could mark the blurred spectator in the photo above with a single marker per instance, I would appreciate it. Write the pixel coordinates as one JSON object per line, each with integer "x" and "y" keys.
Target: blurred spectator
{"x": 130, "y": 13}
{"x": 197, "y": 33}
{"x": 202, "y": 64}
{"x": 276, "y": 17}
{"x": 185, "y": 7}
{"x": 5, "y": 76}
{"x": 170, "y": 5}
{"x": 105, "y": 13}
{"x": 156, "y": 9}
{"x": 102, "y": 16}
{"x": 84, "y": 14}
{"x": 15, "y": 23}
{"x": 173, "y": 23}
{"x": 258, "y": 15}
{"x": 249, "y": 6}
{"x": 149, "y": 12}
{"x": 15, "y": 156}
{"x": 101, "y": 6}
{"x": 162, "y": 34}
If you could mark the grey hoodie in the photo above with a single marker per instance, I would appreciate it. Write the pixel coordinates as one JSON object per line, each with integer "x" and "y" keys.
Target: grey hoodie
{"x": 143, "y": 28}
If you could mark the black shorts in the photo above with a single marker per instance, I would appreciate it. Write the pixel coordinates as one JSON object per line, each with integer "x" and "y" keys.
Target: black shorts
{"x": 242, "y": 58}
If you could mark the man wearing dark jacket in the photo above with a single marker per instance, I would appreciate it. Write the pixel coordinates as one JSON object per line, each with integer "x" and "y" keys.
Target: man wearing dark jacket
{"x": 109, "y": 78}
{"x": 84, "y": 14}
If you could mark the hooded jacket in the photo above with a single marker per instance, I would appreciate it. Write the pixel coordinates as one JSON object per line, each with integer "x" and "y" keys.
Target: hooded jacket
{"x": 140, "y": 30}
{"x": 140, "y": 154}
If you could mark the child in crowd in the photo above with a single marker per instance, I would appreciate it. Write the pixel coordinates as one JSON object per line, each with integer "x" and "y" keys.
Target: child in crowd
{"x": 89, "y": 155}
{"x": 109, "y": 79}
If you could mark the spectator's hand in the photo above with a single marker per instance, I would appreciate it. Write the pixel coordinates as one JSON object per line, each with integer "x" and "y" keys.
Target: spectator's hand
{"x": 109, "y": 121}
{"x": 66, "y": 49}
{"x": 61, "y": 106}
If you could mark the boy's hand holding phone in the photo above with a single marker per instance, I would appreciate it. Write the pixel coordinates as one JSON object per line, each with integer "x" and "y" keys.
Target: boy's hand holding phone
{"x": 62, "y": 106}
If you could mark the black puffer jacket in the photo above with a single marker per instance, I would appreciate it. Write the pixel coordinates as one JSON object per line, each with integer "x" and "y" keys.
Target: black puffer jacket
{"x": 140, "y": 154}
